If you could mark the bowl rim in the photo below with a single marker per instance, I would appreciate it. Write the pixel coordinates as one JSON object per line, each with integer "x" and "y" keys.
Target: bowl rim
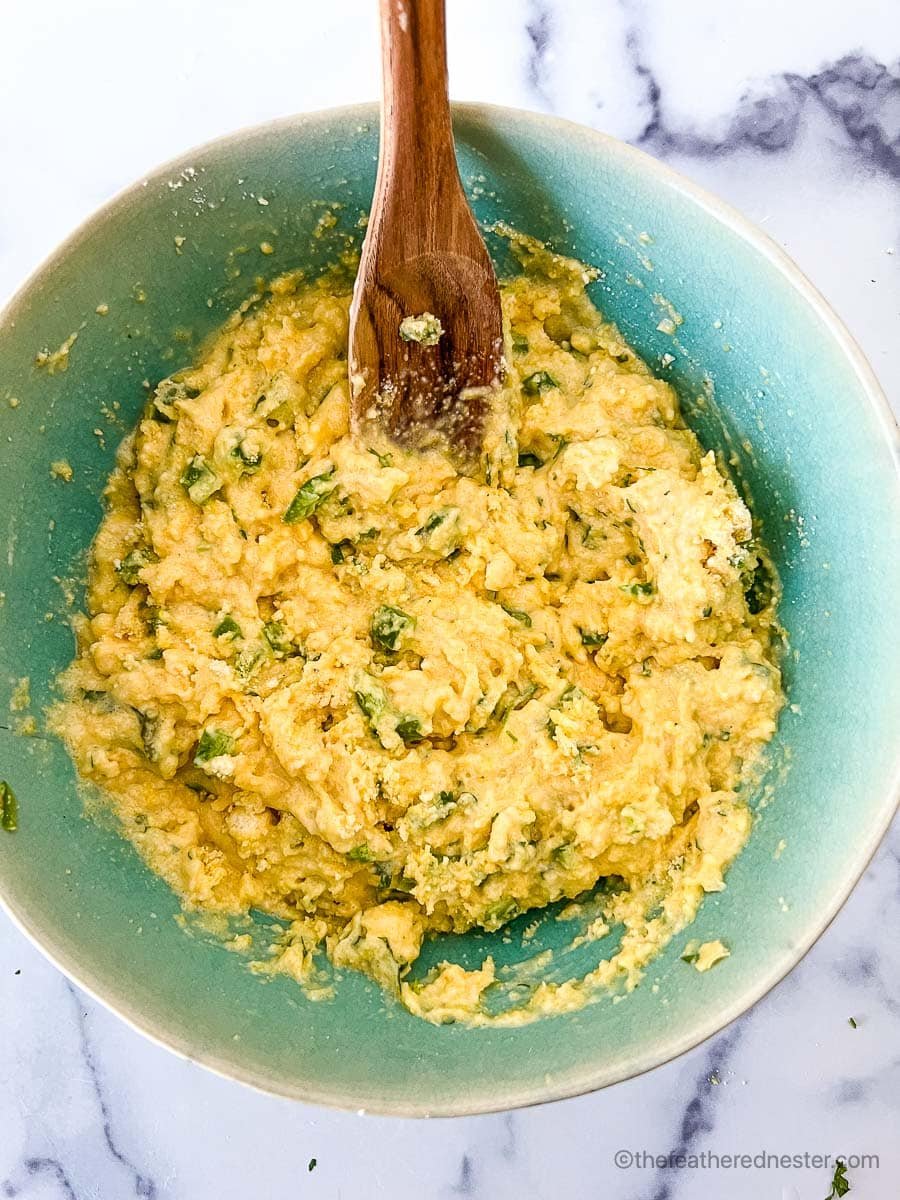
{"x": 591, "y": 1078}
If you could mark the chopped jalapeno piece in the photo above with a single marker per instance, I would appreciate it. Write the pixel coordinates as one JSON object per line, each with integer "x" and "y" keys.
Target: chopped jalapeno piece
{"x": 410, "y": 729}
{"x": 594, "y": 640}
{"x": 228, "y": 627}
{"x": 565, "y": 856}
{"x": 247, "y": 459}
{"x": 361, "y": 854}
{"x": 512, "y": 699}
{"x": 638, "y": 589}
{"x": 248, "y": 660}
{"x": 199, "y": 480}
{"x": 340, "y": 551}
{"x": 388, "y": 626}
{"x": 129, "y": 569}
{"x": 371, "y": 699}
{"x": 425, "y": 329}
{"x": 537, "y": 382}
{"x": 277, "y": 637}
{"x": 517, "y": 614}
{"x": 499, "y": 913}
{"x": 9, "y": 808}
{"x": 213, "y": 744}
{"x": 519, "y": 342}
{"x": 309, "y": 497}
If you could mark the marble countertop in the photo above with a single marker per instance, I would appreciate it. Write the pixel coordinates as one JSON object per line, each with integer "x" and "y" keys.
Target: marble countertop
{"x": 792, "y": 112}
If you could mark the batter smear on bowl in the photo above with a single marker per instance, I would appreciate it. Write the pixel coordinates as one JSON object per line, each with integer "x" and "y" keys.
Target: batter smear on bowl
{"x": 381, "y": 700}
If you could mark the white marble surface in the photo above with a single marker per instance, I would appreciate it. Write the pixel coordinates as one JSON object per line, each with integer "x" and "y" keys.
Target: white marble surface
{"x": 790, "y": 109}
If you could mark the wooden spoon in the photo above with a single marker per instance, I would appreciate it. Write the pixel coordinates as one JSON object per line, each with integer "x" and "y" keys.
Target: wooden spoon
{"x": 423, "y": 254}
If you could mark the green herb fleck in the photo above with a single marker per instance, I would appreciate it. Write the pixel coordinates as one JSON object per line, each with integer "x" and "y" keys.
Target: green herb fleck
{"x": 519, "y": 342}
{"x": 384, "y": 460}
{"x": 853, "y": 1024}
{"x": 309, "y": 497}
{"x": 840, "y": 1184}
{"x": 436, "y": 520}
{"x": 213, "y": 744}
{"x": 9, "y": 808}
{"x": 312, "y": 1165}
{"x": 537, "y": 382}
{"x": 527, "y": 459}
{"x": 388, "y": 626}
{"x": 228, "y": 627}
{"x": 199, "y": 480}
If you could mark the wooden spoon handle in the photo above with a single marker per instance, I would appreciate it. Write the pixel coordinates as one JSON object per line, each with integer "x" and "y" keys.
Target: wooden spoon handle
{"x": 423, "y": 257}
{"x": 417, "y": 152}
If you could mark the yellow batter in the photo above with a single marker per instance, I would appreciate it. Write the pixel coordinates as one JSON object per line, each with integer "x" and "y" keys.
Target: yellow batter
{"x": 381, "y": 700}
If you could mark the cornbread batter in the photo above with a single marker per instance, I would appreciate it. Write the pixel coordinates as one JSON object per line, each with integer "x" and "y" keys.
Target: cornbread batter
{"x": 381, "y": 700}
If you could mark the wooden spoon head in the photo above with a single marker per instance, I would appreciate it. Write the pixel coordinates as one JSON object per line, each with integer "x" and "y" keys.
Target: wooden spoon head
{"x": 423, "y": 395}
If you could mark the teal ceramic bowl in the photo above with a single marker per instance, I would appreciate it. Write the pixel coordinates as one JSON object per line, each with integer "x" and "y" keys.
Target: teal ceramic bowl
{"x": 768, "y": 376}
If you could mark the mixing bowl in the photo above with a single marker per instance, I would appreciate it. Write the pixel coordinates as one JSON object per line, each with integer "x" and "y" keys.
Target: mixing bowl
{"x": 768, "y": 376}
